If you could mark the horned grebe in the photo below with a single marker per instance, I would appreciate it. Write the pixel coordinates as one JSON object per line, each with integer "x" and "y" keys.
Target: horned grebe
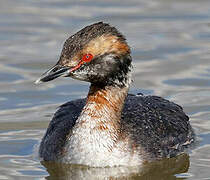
{"x": 109, "y": 127}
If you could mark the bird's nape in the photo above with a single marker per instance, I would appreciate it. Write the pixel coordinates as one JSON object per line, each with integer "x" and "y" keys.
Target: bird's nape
{"x": 110, "y": 127}
{"x": 98, "y": 54}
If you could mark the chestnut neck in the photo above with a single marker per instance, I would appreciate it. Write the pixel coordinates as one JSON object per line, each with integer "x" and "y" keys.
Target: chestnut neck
{"x": 103, "y": 108}
{"x": 108, "y": 98}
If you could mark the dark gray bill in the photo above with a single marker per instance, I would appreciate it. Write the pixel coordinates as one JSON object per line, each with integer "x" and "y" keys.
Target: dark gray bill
{"x": 53, "y": 73}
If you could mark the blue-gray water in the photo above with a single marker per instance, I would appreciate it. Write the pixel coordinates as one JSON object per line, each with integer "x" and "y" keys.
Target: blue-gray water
{"x": 170, "y": 43}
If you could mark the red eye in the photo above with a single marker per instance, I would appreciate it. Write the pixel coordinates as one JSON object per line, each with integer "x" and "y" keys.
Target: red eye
{"x": 87, "y": 57}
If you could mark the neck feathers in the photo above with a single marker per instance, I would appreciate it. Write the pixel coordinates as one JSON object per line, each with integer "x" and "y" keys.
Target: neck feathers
{"x": 121, "y": 75}
{"x": 101, "y": 115}
{"x": 99, "y": 121}
{"x": 97, "y": 130}
{"x": 107, "y": 101}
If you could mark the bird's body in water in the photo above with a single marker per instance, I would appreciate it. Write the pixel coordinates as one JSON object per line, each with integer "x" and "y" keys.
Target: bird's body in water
{"x": 110, "y": 127}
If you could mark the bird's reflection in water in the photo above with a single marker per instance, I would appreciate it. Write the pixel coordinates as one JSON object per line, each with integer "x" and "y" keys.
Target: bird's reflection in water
{"x": 164, "y": 170}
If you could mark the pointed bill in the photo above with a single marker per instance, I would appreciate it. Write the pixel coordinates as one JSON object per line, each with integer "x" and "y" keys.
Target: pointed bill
{"x": 54, "y": 72}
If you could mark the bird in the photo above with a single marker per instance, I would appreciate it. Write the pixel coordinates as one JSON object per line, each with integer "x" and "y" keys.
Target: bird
{"x": 110, "y": 127}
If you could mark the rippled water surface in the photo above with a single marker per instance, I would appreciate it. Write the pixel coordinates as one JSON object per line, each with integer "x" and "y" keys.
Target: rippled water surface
{"x": 170, "y": 43}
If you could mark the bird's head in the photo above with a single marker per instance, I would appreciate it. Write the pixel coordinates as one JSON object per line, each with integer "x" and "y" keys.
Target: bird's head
{"x": 98, "y": 54}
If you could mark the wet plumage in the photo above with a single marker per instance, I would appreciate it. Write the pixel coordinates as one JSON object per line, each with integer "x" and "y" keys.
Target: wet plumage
{"x": 158, "y": 125}
{"x": 109, "y": 128}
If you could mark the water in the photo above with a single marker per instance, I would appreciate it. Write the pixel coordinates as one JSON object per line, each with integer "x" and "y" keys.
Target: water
{"x": 170, "y": 43}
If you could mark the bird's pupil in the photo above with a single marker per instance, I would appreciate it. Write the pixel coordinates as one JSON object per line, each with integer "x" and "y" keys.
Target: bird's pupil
{"x": 87, "y": 57}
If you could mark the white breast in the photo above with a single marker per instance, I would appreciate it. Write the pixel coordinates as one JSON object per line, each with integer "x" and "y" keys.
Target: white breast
{"x": 89, "y": 146}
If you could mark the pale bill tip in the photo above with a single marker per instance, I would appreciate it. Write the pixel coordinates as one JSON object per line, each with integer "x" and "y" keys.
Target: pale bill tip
{"x": 38, "y": 81}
